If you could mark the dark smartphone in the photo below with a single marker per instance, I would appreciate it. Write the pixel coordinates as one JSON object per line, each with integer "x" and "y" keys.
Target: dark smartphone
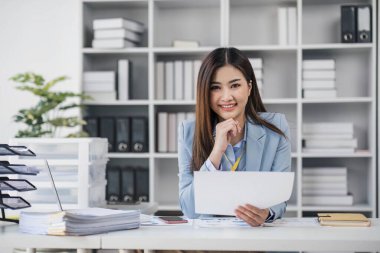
{"x": 172, "y": 219}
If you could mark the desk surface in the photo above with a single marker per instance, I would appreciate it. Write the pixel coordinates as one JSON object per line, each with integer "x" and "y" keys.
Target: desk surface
{"x": 193, "y": 238}
{"x": 261, "y": 238}
{"x": 10, "y": 237}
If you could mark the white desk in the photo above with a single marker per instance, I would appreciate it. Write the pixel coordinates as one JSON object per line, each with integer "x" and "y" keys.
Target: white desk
{"x": 262, "y": 238}
{"x": 10, "y": 237}
{"x": 191, "y": 238}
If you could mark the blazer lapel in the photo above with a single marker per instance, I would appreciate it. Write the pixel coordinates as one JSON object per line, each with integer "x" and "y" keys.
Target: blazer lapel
{"x": 255, "y": 145}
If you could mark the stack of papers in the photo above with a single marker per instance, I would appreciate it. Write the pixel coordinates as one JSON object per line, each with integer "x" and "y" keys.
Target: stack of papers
{"x": 222, "y": 193}
{"x": 78, "y": 221}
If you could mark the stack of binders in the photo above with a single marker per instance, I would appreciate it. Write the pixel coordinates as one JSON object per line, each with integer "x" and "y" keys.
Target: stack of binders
{"x": 319, "y": 78}
{"x": 127, "y": 184}
{"x": 124, "y": 134}
{"x": 116, "y": 33}
{"x": 356, "y": 23}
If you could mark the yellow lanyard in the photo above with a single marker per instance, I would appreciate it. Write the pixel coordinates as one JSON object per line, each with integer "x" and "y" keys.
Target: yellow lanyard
{"x": 236, "y": 164}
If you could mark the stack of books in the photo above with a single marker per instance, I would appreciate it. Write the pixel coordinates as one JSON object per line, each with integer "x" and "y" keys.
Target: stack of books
{"x": 287, "y": 25}
{"x": 329, "y": 138}
{"x": 257, "y": 65}
{"x": 100, "y": 85}
{"x": 116, "y": 33}
{"x": 318, "y": 78}
{"x": 325, "y": 186}
{"x": 167, "y": 130}
{"x": 86, "y": 221}
{"x": 176, "y": 80}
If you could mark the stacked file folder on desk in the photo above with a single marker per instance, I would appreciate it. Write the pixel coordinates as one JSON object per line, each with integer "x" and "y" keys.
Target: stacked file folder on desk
{"x": 78, "y": 221}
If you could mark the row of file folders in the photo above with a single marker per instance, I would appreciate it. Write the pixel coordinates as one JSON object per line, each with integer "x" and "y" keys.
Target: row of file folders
{"x": 127, "y": 184}
{"x": 177, "y": 80}
{"x": 167, "y": 132}
{"x": 124, "y": 134}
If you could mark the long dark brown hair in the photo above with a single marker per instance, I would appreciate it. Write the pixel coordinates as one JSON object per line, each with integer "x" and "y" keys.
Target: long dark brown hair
{"x": 203, "y": 138}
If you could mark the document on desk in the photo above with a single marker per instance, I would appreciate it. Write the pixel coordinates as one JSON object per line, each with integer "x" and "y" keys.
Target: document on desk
{"x": 294, "y": 222}
{"x": 220, "y": 222}
{"x": 222, "y": 192}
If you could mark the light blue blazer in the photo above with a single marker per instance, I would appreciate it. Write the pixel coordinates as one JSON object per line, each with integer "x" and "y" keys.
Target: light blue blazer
{"x": 266, "y": 151}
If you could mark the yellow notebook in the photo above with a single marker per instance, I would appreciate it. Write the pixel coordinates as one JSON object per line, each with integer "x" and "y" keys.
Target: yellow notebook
{"x": 343, "y": 220}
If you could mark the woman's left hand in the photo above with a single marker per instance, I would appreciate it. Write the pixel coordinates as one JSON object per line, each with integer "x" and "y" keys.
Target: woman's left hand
{"x": 252, "y": 215}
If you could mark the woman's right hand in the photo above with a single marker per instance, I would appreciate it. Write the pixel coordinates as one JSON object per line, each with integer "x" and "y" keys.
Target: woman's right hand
{"x": 224, "y": 131}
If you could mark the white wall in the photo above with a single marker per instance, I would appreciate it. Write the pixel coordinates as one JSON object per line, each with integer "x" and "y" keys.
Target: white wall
{"x": 42, "y": 36}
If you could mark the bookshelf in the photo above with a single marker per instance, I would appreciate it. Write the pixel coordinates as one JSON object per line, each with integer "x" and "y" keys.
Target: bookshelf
{"x": 216, "y": 23}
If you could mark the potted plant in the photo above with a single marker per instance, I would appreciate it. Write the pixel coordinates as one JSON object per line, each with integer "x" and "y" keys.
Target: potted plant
{"x": 47, "y": 116}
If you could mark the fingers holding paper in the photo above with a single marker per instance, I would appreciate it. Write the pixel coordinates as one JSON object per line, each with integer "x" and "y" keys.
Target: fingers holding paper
{"x": 252, "y": 215}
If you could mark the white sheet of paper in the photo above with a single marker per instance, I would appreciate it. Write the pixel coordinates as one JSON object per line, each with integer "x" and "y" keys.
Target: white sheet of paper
{"x": 222, "y": 192}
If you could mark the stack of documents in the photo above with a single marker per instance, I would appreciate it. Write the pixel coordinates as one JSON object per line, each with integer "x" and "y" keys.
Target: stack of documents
{"x": 78, "y": 221}
{"x": 329, "y": 137}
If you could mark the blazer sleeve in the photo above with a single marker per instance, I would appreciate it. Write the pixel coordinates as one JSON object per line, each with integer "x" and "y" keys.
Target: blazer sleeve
{"x": 282, "y": 162}
{"x": 186, "y": 188}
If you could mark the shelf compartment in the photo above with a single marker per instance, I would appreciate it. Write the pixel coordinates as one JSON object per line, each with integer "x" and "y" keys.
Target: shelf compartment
{"x": 359, "y": 114}
{"x": 354, "y": 75}
{"x": 135, "y": 10}
{"x": 138, "y": 84}
{"x": 245, "y": 14}
{"x": 360, "y": 177}
{"x": 194, "y": 20}
{"x": 290, "y": 111}
{"x": 317, "y": 30}
{"x": 281, "y": 83}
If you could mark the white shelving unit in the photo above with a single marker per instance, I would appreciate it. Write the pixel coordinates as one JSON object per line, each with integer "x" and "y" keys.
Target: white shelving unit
{"x": 78, "y": 167}
{"x": 251, "y": 26}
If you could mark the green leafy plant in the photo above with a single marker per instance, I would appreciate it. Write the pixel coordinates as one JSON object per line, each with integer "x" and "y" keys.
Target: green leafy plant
{"x": 46, "y": 117}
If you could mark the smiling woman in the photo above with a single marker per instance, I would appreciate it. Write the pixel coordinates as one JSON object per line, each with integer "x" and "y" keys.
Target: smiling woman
{"x": 232, "y": 131}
